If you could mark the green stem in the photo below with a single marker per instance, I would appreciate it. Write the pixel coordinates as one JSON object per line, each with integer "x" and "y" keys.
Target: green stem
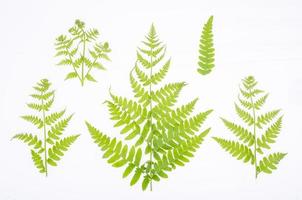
{"x": 74, "y": 69}
{"x": 255, "y": 136}
{"x": 150, "y": 143}
{"x": 45, "y": 144}
{"x": 84, "y": 50}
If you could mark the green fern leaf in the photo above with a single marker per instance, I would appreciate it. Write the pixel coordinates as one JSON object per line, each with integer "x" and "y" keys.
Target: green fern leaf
{"x": 46, "y": 147}
{"x": 256, "y": 144}
{"x": 268, "y": 164}
{"x": 81, "y": 51}
{"x": 206, "y": 49}
{"x": 164, "y": 136}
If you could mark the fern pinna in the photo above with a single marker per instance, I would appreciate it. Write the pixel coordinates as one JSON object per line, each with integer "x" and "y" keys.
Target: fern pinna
{"x": 82, "y": 52}
{"x": 48, "y": 146}
{"x": 164, "y": 135}
{"x": 251, "y": 146}
{"x": 206, "y": 49}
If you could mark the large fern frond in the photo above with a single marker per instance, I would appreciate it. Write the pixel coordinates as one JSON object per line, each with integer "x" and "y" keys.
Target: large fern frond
{"x": 165, "y": 132}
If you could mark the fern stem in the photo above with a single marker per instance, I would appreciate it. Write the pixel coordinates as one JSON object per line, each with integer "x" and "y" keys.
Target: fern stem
{"x": 151, "y": 141}
{"x": 254, "y": 132}
{"x": 74, "y": 69}
{"x": 90, "y": 67}
{"x": 84, "y": 50}
{"x": 44, "y": 133}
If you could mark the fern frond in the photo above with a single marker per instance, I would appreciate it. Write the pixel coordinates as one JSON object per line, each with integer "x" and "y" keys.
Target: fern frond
{"x": 59, "y": 148}
{"x": 81, "y": 51}
{"x": 38, "y": 161}
{"x": 269, "y": 163}
{"x": 206, "y": 49}
{"x": 39, "y": 144}
{"x": 243, "y": 134}
{"x": 270, "y": 134}
{"x": 250, "y": 100}
{"x": 166, "y": 134}
{"x": 237, "y": 150}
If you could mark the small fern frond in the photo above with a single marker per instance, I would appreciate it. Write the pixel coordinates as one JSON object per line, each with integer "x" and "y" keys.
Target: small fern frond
{"x": 46, "y": 147}
{"x": 253, "y": 102}
{"x": 269, "y": 163}
{"x": 206, "y": 49}
{"x": 81, "y": 51}
{"x": 237, "y": 150}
